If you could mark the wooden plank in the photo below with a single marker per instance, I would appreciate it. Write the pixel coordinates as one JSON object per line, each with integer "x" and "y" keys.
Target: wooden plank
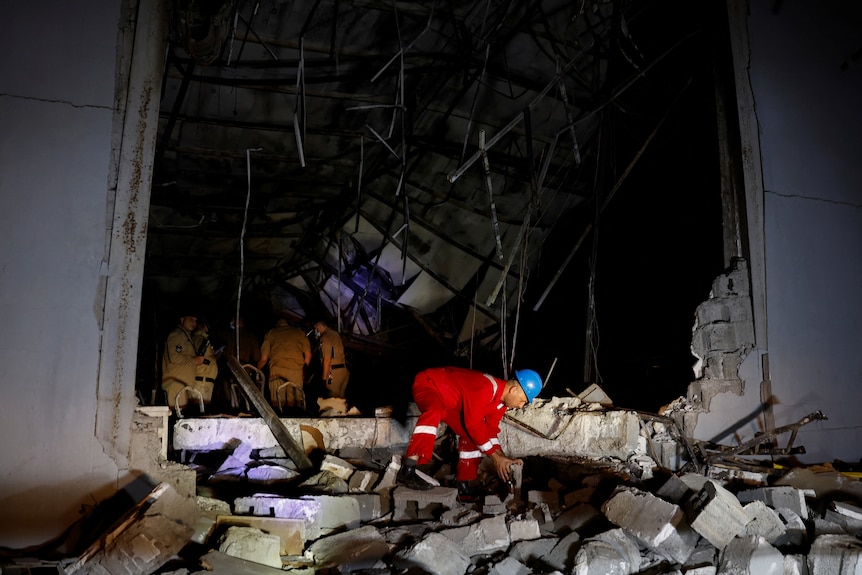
{"x": 293, "y": 450}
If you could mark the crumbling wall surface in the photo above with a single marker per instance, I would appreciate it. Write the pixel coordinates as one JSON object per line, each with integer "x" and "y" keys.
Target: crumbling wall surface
{"x": 722, "y": 336}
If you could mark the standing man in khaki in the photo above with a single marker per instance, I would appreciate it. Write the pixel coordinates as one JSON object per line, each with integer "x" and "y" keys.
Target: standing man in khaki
{"x": 180, "y": 363}
{"x": 288, "y": 351}
{"x": 334, "y": 370}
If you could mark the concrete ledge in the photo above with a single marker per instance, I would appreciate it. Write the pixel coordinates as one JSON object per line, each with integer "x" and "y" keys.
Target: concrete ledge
{"x": 215, "y": 433}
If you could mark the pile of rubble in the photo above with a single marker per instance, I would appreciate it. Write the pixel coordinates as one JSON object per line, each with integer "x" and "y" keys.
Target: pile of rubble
{"x": 561, "y": 515}
{"x": 601, "y": 491}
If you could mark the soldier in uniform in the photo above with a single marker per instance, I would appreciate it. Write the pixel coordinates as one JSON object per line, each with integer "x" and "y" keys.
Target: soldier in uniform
{"x": 334, "y": 367}
{"x": 288, "y": 352}
{"x": 180, "y": 361}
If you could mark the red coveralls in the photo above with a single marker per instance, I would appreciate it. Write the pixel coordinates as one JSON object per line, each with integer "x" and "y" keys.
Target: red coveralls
{"x": 467, "y": 401}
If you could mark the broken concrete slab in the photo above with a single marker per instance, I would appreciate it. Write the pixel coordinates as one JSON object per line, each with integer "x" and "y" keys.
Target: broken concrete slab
{"x": 354, "y": 550}
{"x": 510, "y": 566}
{"x": 777, "y": 497}
{"x": 765, "y": 522}
{"x": 532, "y": 553}
{"x": 217, "y": 563}
{"x": 609, "y": 553}
{"x": 485, "y": 537}
{"x": 586, "y": 434}
{"x": 145, "y": 538}
{"x": 750, "y": 555}
{"x": 251, "y": 544}
{"x": 657, "y": 523}
{"x": 291, "y": 532}
{"x": 322, "y": 513}
{"x": 213, "y": 434}
{"x": 716, "y": 514}
{"x": 562, "y": 555}
{"x": 434, "y": 553}
{"x": 836, "y": 555}
{"x": 524, "y": 530}
{"x": 413, "y": 505}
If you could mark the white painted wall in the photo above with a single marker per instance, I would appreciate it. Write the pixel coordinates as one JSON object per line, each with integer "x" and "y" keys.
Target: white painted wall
{"x": 810, "y": 120}
{"x": 57, "y": 103}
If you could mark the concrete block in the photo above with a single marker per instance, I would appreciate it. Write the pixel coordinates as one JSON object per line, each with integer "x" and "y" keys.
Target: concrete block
{"x": 362, "y": 481}
{"x": 533, "y": 552}
{"x": 414, "y": 505}
{"x": 610, "y": 553}
{"x": 575, "y": 518}
{"x": 795, "y": 529}
{"x": 778, "y": 497}
{"x": 765, "y": 522}
{"x": 584, "y": 434}
{"x": 657, "y": 523}
{"x": 459, "y": 516}
{"x": 524, "y": 530}
{"x": 325, "y": 482}
{"x": 836, "y": 555}
{"x": 675, "y": 490}
{"x": 322, "y": 513}
{"x": 795, "y": 565}
{"x": 252, "y": 545}
{"x": 215, "y": 433}
{"x": 350, "y": 552}
{"x": 748, "y": 555}
{"x": 372, "y": 506}
{"x": 337, "y": 466}
{"x": 434, "y": 553}
{"x": 595, "y": 394}
{"x": 210, "y": 509}
{"x": 706, "y": 570}
{"x": 291, "y": 532}
{"x": 850, "y": 525}
{"x": 848, "y": 510}
{"x": 562, "y": 556}
{"x": 716, "y": 514}
{"x": 483, "y": 538}
{"x": 712, "y": 311}
{"x": 509, "y": 566}
{"x": 390, "y": 475}
{"x": 703, "y": 555}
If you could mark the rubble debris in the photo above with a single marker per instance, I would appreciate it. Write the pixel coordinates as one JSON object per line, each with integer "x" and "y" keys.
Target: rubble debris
{"x": 145, "y": 538}
{"x": 251, "y": 544}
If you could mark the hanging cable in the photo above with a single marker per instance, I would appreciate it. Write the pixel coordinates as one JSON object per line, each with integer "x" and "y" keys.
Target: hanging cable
{"x": 242, "y": 242}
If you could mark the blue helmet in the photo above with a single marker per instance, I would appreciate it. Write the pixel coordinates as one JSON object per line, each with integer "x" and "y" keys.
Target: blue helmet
{"x": 530, "y": 382}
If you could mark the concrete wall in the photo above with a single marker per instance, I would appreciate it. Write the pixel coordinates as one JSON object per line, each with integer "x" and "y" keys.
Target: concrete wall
{"x": 60, "y": 264}
{"x": 808, "y": 120}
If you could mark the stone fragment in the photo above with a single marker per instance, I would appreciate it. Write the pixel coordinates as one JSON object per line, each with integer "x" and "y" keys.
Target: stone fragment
{"x": 562, "y": 556}
{"x": 749, "y": 555}
{"x": 795, "y": 530}
{"x": 372, "y": 506}
{"x": 795, "y": 565}
{"x": 251, "y": 544}
{"x": 267, "y": 473}
{"x": 610, "y": 553}
{"x": 434, "y": 553}
{"x": 325, "y": 482}
{"x": 210, "y": 509}
{"x": 459, "y": 516}
{"x": 657, "y": 523}
{"x": 322, "y": 513}
{"x": 848, "y": 510}
{"x": 575, "y": 518}
{"x": 413, "y": 505}
{"x": 524, "y": 530}
{"x": 509, "y": 566}
{"x": 777, "y": 497}
{"x": 765, "y": 522}
{"x": 533, "y": 552}
{"x": 835, "y": 555}
{"x": 362, "y": 481}
{"x": 351, "y": 551}
{"x": 716, "y": 514}
{"x": 485, "y": 537}
{"x": 291, "y": 532}
{"x": 337, "y": 466}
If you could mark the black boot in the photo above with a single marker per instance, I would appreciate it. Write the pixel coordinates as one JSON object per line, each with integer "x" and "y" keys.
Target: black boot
{"x": 465, "y": 493}
{"x": 408, "y": 477}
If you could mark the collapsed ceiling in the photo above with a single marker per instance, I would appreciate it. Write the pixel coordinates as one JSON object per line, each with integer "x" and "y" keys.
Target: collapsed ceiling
{"x": 400, "y": 161}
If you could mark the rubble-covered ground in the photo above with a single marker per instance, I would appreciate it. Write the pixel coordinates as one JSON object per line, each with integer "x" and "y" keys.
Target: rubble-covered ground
{"x": 254, "y": 512}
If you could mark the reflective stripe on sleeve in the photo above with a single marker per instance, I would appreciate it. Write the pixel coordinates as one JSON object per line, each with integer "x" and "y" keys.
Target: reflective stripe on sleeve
{"x": 469, "y": 455}
{"x": 425, "y": 430}
{"x": 485, "y": 447}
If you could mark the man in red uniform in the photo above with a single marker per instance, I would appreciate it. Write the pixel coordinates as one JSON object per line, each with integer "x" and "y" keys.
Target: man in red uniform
{"x": 472, "y": 403}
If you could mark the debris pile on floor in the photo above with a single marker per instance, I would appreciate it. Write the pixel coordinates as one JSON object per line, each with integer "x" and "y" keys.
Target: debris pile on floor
{"x": 561, "y": 515}
{"x": 601, "y": 491}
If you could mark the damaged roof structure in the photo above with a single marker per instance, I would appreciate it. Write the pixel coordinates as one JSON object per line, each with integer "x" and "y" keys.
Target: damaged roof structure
{"x": 443, "y": 180}
{"x": 422, "y": 173}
